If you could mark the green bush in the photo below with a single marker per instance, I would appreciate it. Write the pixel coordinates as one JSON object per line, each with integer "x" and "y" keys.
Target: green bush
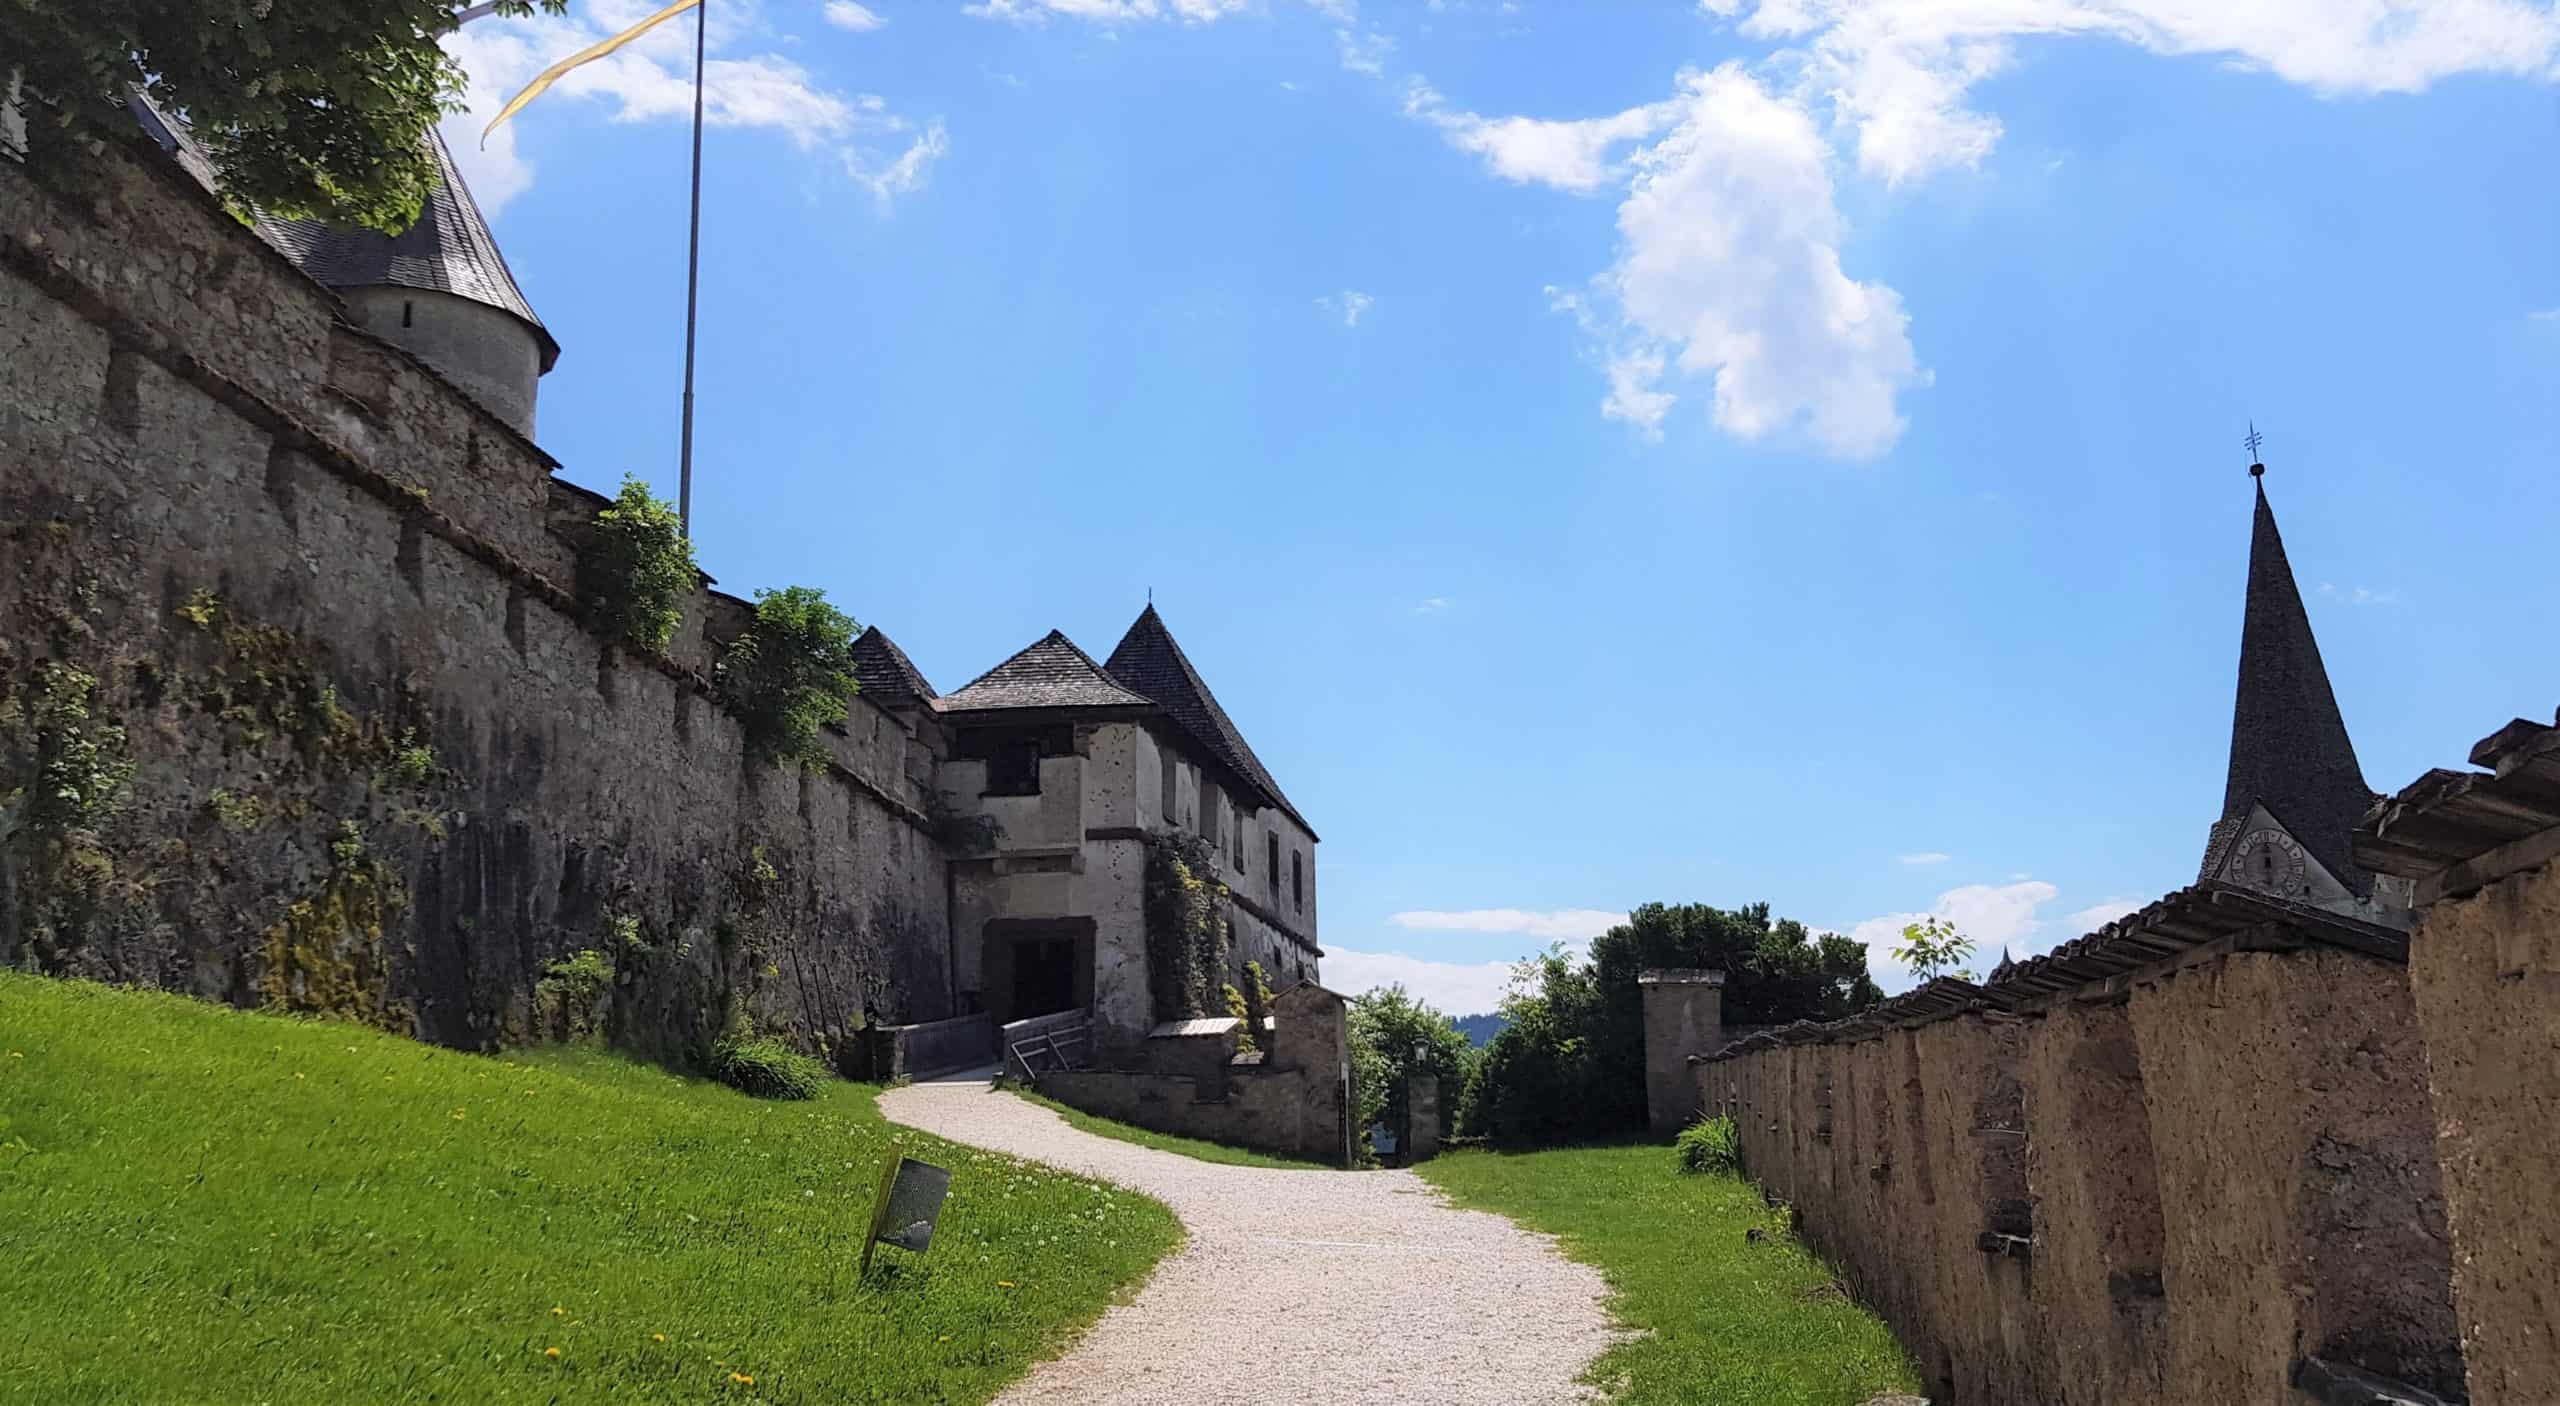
{"x": 766, "y": 1069}
{"x": 1710, "y": 1146}
{"x": 637, "y": 569}
{"x": 790, "y": 674}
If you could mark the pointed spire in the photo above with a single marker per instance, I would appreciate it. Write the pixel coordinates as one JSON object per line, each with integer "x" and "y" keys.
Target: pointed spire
{"x": 2289, "y": 746}
{"x": 1149, "y": 660}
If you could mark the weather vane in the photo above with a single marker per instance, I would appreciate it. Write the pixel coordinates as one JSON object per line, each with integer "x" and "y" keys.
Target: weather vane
{"x": 2256, "y": 467}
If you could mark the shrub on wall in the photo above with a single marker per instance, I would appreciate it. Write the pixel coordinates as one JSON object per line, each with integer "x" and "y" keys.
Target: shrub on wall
{"x": 636, "y": 569}
{"x": 1252, "y": 1005}
{"x": 790, "y": 674}
{"x": 1186, "y": 938}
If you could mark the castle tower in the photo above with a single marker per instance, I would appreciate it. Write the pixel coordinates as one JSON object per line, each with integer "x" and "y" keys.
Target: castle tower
{"x": 439, "y": 290}
{"x": 2293, "y": 792}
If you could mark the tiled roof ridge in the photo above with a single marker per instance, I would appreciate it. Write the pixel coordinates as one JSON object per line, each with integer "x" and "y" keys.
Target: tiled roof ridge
{"x": 2176, "y": 922}
{"x": 1098, "y": 689}
{"x": 887, "y": 675}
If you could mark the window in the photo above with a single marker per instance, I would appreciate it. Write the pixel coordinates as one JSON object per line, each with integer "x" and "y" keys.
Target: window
{"x": 1013, "y": 768}
{"x": 1271, "y": 861}
{"x": 1213, "y": 812}
{"x": 1240, "y": 851}
{"x": 408, "y": 311}
{"x": 1298, "y": 879}
{"x": 1172, "y": 788}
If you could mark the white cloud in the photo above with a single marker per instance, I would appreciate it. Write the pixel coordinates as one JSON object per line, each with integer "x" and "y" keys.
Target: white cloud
{"x": 1348, "y": 305}
{"x": 2543, "y": 315}
{"x": 652, "y": 79}
{"x": 1455, "y": 988}
{"x": 1363, "y": 52}
{"x": 1997, "y": 918}
{"x": 1926, "y": 857}
{"x": 1562, "y": 924}
{"x": 2101, "y": 913}
{"x": 1432, "y": 606}
{"x": 1898, "y": 74}
{"x": 1580, "y": 156}
{"x": 1728, "y": 268}
{"x": 845, "y": 14}
{"x": 2358, "y": 595}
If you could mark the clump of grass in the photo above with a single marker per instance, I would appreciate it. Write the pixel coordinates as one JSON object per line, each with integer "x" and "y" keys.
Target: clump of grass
{"x": 1724, "y": 1318}
{"x": 200, "y": 1204}
{"x": 1710, "y": 1146}
{"x": 766, "y": 1068}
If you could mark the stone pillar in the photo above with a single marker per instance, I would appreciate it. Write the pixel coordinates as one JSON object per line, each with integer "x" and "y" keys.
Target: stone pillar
{"x": 1421, "y": 1116}
{"x": 1683, "y": 1015}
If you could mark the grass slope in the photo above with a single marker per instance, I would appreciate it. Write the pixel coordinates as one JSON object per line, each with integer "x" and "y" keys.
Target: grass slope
{"x": 1723, "y": 1320}
{"x": 1191, "y": 1147}
{"x": 199, "y": 1204}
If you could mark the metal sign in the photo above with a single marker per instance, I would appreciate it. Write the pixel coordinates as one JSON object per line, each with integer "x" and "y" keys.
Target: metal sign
{"x": 910, "y": 1201}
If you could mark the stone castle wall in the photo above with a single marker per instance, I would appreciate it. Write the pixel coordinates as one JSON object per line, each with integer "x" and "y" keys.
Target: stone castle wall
{"x": 379, "y": 765}
{"x": 2183, "y": 1183}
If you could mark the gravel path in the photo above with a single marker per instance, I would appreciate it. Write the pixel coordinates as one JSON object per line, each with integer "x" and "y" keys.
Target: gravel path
{"x": 1298, "y": 1286}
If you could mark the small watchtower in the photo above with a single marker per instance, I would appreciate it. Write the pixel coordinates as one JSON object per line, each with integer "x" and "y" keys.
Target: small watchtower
{"x": 1683, "y": 1015}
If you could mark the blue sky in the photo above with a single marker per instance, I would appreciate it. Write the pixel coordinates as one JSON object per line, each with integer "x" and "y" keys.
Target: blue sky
{"x": 1777, "y": 450}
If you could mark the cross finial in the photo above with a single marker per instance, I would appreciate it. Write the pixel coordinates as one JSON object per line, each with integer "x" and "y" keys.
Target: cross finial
{"x": 2257, "y": 469}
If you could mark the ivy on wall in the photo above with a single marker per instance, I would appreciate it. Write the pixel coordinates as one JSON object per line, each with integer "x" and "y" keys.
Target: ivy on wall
{"x": 1186, "y": 936}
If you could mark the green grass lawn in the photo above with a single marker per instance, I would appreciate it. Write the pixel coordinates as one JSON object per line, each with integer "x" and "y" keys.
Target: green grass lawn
{"x": 1723, "y": 1320}
{"x": 1165, "y": 1142}
{"x": 199, "y": 1204}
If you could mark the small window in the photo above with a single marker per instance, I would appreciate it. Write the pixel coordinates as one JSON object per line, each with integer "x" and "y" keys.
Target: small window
{"x": 1172, "y": 788}
{"x": 1212, "y": 814}
{"x": 408, "y": 313}
{"x": 1240, "y": 849}
{"x": 1298, "y": 879}
{"x": 1271, "y": 859}
{"x": 1013, "y": 768}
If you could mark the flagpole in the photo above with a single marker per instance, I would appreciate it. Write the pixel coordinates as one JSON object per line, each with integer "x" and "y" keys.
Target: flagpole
{"x": 692, "y": 275}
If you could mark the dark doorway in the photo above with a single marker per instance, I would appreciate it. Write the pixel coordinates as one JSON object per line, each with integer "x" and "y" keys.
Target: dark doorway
{"x": 1044, "y": 976}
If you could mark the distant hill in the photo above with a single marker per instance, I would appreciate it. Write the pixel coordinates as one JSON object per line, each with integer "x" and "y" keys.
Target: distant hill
{"x": 1479, "y": 1029}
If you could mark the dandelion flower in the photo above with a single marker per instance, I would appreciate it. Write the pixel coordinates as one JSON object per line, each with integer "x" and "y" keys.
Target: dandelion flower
{"x": 558, "y": 1312}
{"x": 22, "y": 1054}
{"x": 944, "y": 1338}
{"x": 657, "y": 1337}
{"x": 1004, "y": 1283}
{"x": 742, "y": 1379}
{"x": 551, "y": 1352}
{"x": 457, "y": 1115}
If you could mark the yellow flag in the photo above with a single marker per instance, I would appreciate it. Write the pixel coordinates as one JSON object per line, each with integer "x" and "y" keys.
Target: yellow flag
{"x": 548, "y": 76}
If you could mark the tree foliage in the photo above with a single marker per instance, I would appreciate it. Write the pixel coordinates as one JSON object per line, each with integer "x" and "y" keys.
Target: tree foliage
{"x": 637, "y": 567}
{"x": 310, "y": 108}
{"x": 1933, "y": 948}
{"x": 790, "y": 674}
{"x": 1570, "y": 1063}
{"x": 1388, "y": 1027}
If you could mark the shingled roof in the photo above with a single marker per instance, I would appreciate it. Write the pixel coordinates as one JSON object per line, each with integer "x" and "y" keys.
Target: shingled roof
{"x": 448, "y": 250}
{"x": 1149, "y": 660}
{"x": 2289, "y": 746}
{"x": 887, "y": 676}
{"x": 1051, "y": 673}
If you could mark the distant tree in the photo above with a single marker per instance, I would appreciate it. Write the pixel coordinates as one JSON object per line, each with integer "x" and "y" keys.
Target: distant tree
{"x": 1575, "y": 1069}
{"x": 1387, "y": 1027}
{"x": 1479, "y": 1029}
{"x": 1534, "y": 1085}
{"x": 1933, "y": 948}
{"x": 312, "y": 108}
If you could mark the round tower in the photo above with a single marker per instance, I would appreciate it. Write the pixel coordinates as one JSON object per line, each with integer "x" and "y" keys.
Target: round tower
{"x": 440, "y": 291}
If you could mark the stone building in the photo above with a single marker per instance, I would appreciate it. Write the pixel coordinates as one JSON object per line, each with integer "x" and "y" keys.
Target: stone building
{"x": 1057, "y": 772}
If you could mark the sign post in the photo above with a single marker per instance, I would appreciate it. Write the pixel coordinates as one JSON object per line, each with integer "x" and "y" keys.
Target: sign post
{"x": 909, "y": 1203}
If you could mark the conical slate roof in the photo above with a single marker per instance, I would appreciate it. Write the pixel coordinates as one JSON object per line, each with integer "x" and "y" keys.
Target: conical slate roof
{"x": 1149, "y": 660}
{"x": 449, "y": 249}
{"x": 886, "y": 675}
{"x": 2289, "y": 746}
{"x": 1051, "y": 673}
